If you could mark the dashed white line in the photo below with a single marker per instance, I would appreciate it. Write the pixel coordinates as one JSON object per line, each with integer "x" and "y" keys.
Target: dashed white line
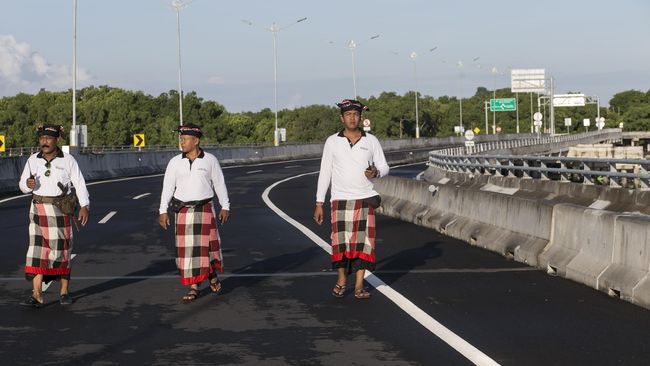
{"x": 254, "y": 171}
{"x": 442, "y": 332}
{"x": 291, "y": 166}
{"x": 141, "y": 195}
{"x": 107, "y": 217}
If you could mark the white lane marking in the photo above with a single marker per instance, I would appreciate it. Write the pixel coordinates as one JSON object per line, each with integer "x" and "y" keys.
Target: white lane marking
{"x": 291, "y": 166}
{"x": 45, "y": 286}
{"x": 15, "y": 197}
{"x": 460, "y": 345}
{"x": 254, "y": 171}
{"x": 419, "y": 176}
{"x": 141, "y": 195}
{"x": 107, "y": 217}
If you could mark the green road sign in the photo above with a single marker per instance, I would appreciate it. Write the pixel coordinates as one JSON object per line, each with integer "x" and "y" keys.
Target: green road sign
{"x": 503, "y": 105}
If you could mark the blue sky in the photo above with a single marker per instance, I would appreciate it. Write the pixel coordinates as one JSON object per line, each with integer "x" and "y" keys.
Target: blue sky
{"x": 594, "y": 47}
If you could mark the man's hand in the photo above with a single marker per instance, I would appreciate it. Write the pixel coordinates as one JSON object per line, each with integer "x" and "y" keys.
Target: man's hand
{"x": 318, "y": 213}
{"x": 163, "y": 220}
{"x": 371, "y": 171}
{"x": 223, "y": 216}
{"x": 31, "y": 183}
{"x": 83, "y": 215}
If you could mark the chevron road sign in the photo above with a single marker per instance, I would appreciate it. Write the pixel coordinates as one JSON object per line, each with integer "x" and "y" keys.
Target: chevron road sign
{"x": 138, "y": 140}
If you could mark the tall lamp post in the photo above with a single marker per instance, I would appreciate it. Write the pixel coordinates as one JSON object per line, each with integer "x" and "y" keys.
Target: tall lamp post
{"x": 74, "y": 137}
{"x": 352, "y": 46}
{"x": 494, "y": 96}
{"x": 415, "y": 78}
{"x": 275, "y": 29}
{"x": 179, "y": 5}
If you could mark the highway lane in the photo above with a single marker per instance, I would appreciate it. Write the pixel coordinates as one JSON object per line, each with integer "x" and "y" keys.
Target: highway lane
{"x": 276, "y": 306}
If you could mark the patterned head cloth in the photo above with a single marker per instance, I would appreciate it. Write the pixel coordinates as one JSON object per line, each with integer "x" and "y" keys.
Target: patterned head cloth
{"x": 49, "y": 130}
{"x": 191, "y": 130}
{"x": 350, "y": 104}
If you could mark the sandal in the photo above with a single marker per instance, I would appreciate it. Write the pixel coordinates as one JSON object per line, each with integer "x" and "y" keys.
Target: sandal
{"x": 338, "y": 290}
{"x": 361, "y": 293}
{"x": 215, "y": 285}
{"x": 65, "y": 300}
{"x": 31, "y": 301}
{"x": 191, "y": 295}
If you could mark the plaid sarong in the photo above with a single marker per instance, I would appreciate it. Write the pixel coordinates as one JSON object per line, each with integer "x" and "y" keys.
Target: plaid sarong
{"x": 353, "y": 230}
{"x": 198, "y": 249}
{"x": 50, "y": 241}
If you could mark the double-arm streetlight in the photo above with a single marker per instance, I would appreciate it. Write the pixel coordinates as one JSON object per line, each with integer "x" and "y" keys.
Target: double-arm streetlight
{"x": 352, "y": 46}
{"x": 275, "y": 29}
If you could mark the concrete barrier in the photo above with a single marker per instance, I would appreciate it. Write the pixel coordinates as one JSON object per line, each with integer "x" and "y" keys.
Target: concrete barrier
{"x": 630, "y": 260}
{"x": 581, "y": 243}
{"x": 530, "y": 221}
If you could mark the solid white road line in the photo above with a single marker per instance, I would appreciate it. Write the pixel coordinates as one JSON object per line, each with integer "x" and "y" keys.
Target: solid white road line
{"x": 107, "y": 217}
{"x": 141, "y": 195}
{"x": 45, "y": 286}
{"x": 254, "y": 171}
{"x": 449, "y": 337}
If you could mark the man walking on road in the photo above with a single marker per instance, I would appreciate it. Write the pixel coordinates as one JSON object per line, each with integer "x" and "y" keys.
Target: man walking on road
{"x": 50, "y": 175}
{"x": 191, "y": 179}
{"x": 351, "y": 160}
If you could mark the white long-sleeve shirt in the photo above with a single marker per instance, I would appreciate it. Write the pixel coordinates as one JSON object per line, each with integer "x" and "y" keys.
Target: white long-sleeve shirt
{"x": 62, "y": 169}
{"x": 194, "y": 181}
{"x": 343, "y": 167}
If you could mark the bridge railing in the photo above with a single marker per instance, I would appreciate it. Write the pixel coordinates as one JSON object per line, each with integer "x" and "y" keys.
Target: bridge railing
{"x": 631, "y": 173}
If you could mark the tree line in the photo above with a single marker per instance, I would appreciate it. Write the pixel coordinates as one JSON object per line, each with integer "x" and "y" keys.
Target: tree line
{"x": 113, "y": 115}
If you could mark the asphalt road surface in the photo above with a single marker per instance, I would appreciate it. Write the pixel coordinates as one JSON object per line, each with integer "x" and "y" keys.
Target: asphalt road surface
{"x": 437, "y": 301}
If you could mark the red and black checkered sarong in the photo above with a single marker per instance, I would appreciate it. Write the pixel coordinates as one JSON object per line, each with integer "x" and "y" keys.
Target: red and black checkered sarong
{"x": 353, "y": 231}
{"x": 198, "y": 249}
{"x": 50, "y": 241}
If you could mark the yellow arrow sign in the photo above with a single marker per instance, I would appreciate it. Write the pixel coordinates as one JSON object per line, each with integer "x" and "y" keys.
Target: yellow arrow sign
{"x": 138, "y": 140}
{"x": 2, "y": 143}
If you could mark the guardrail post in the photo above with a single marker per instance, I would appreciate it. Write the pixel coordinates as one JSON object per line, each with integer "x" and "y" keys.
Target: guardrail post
{"x": 544, "y": 173}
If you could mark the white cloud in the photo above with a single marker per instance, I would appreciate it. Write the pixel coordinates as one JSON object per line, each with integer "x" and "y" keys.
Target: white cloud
{"x": 25, "y": 70}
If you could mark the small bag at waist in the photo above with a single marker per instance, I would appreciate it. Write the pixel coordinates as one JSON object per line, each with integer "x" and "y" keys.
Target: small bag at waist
{"x": 175, "y": 204}
{"x": 44, "y": 199}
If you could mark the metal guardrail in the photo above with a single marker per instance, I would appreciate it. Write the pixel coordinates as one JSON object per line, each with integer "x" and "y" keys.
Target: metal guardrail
{"x": 612, "y": 172}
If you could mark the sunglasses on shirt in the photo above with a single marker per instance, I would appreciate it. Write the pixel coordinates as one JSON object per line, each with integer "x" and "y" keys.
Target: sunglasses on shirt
{"x": 47, "y": 172}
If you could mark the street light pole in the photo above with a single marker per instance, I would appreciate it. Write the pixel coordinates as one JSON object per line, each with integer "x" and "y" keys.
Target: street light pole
{"x": 275, "y": 29}
{"x": 352, "y": 46}
{"x": 460, "y": 98}
{"x": 179, "y": 5}
{"x": 73, "y": 130}
{"x": 415, "y": 78}
{"x": 494, "y": 96}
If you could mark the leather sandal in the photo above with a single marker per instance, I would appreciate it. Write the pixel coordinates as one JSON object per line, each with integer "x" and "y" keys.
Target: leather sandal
{"x": 65, "y": 299}
{"x": 215, "y": 285}
{"x": 338, "y": 290}
{"x": 191, "y": 295}
{"x": 32, "y": 302}
{"x": 361, "y": 294}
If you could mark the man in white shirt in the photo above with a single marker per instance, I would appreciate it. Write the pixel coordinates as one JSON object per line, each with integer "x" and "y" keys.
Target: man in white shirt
{"x": 50, "y": 175}
{"x": 191, "y": 179}
{"x": 351, "y": 160}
